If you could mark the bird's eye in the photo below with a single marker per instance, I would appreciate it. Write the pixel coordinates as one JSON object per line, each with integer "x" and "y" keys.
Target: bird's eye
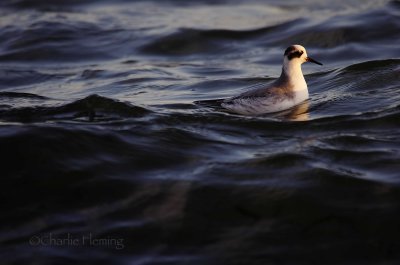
{"x": 295, "y": 54}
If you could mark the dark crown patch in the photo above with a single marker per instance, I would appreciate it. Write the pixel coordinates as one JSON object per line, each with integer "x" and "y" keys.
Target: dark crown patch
{"x": 289, "y": 50}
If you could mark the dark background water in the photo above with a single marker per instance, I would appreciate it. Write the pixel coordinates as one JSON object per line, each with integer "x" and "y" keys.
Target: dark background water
{"x": 100, "y": 136}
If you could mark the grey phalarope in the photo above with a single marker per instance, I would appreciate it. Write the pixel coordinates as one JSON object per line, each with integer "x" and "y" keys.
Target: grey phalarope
{"x": 287, "y": 91}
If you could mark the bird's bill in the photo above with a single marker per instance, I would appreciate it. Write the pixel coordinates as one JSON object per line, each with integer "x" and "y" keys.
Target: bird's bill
{"x": 311, "y": 60}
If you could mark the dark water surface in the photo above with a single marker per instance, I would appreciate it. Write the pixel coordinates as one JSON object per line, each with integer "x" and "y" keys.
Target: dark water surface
{"x": 106, "y": 159}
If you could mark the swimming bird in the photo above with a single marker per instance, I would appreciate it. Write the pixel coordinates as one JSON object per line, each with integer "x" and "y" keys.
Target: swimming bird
{"x": 287, "y": 91}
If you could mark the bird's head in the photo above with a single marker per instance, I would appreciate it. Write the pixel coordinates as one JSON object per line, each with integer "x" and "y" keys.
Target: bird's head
{"x": 297, "y": 54}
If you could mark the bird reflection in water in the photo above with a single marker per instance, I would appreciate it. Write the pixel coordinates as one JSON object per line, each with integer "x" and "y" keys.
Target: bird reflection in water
{"x": 297, "y": 113}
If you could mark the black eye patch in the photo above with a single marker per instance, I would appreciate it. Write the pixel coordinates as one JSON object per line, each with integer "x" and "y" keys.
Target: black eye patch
{"x": 296, "y": 54}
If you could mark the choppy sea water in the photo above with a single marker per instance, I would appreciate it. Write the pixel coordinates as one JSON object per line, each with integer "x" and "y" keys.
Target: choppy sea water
{"x": 107, "y": 159}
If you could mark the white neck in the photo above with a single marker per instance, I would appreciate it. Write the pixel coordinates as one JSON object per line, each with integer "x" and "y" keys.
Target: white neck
{"x": 294, "y": 75}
